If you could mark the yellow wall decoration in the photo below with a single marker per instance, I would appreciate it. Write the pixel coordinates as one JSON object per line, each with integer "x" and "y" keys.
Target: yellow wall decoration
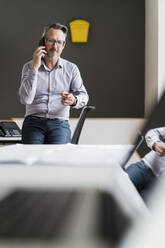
{"x": 79, "y": 30}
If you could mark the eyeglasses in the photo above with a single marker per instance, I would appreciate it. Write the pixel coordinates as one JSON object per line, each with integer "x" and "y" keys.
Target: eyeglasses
{"x": 52, "y": 42}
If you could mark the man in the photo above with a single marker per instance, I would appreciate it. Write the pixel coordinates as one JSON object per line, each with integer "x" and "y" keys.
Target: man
{"x": 144, "y": 172}
{"x": 49, "y": 86}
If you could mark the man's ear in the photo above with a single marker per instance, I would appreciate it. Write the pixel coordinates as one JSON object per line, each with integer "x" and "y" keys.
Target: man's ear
{"x": 64, "y": 43}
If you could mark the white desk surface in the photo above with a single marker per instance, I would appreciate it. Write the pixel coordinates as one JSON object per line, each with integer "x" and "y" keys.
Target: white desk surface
{"x": 6, "y": 139}
{"x": 67, "y": 154}
{"x": 70, "y": 167}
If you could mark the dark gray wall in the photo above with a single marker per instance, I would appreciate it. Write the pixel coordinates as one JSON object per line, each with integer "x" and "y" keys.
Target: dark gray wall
{"x": 111, "y": 63}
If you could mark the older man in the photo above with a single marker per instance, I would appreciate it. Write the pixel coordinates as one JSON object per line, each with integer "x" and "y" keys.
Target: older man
{"x": 49, "y": 86}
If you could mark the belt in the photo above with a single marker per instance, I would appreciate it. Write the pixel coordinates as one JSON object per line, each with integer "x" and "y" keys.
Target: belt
{"x": 44, "y": 118}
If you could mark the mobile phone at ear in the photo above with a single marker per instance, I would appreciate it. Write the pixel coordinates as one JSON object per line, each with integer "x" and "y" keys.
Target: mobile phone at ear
{"x": 42, "y": 42}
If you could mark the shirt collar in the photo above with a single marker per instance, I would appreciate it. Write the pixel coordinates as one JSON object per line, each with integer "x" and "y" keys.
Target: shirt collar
{"x": 59, "y": 64}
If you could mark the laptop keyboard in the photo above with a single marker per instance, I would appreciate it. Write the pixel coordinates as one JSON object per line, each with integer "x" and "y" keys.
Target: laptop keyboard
{"x": 34, "y": 214}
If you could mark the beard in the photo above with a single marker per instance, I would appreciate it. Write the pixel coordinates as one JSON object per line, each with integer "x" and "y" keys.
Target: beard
{"x": 52, "y": 56}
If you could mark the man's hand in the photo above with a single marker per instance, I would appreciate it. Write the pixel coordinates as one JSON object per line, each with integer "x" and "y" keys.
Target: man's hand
{"x": 38, "y": 54}
{"x": 68, "y": 99}
{"x": 159, "y": 148}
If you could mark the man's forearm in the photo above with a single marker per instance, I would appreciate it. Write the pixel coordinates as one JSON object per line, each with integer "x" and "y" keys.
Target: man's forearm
{"x": 28, "y": 87}
{"x": 153, "y": 136}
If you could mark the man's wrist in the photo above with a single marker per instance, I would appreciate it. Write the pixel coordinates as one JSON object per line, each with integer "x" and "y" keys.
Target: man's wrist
{"x": 34, "y": 68}
{"x": 75, "y": 102}
{"x": 155, "y": 143}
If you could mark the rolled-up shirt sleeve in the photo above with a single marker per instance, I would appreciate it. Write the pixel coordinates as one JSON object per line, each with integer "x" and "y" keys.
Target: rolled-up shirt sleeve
{"x": 28, "y": 86}
{"x": 155, "y": 135}
{"x": 78, "y": 89}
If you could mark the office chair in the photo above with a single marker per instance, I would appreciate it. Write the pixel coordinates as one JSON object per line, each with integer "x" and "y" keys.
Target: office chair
{"x": 126, "y": 158}
{"x": 80, "y": 123}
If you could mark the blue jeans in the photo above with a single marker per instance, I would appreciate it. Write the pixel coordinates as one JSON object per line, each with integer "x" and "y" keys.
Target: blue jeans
{"x": 142, "y": 177}
{"x": 39, "y": 131}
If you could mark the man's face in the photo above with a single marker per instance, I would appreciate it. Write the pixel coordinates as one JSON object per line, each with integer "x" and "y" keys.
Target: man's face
{"x": 54, "y": 43}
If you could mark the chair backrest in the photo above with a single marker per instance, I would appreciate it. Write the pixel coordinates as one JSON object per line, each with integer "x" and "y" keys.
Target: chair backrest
{"x": 138, "y": 142}
{"x": 80, "y": 123}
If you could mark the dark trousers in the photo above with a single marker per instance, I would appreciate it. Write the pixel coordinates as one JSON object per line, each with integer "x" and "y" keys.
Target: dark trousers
{"x": 142, "y": 177}
{"x": 39, "y": 131}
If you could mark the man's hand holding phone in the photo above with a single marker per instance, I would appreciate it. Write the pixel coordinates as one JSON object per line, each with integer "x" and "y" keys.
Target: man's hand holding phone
{"x": 39, "y": 53}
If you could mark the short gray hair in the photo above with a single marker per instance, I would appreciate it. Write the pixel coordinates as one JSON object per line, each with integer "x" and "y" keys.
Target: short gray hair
{"x": 59, "y": 26}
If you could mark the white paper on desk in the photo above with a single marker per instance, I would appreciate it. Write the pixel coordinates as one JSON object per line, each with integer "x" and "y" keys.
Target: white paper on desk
{"x": 85, "y": 155}
{"x": 63, "y": 155}
{"x": 17, "y": 154}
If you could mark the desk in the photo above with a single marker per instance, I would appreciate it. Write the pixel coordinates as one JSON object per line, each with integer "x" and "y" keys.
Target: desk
{"x": 10, "y": 140}
{"x": 71, "y": 167}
